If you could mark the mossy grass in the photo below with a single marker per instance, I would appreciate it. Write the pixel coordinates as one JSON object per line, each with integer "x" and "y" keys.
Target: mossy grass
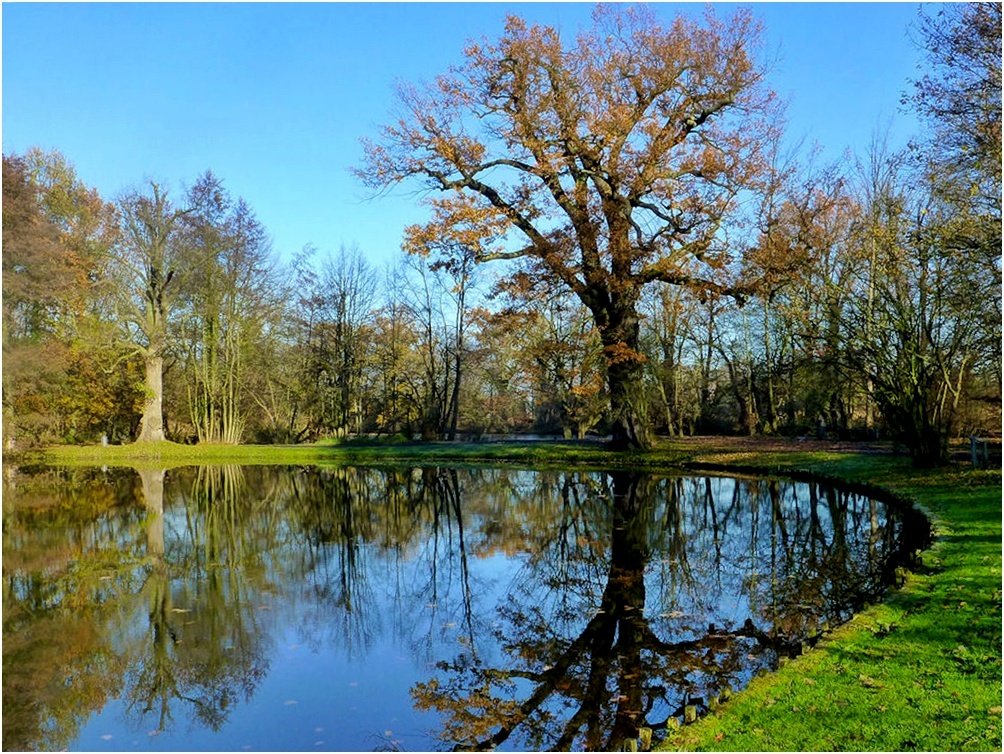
{"x": 920, "y": 671}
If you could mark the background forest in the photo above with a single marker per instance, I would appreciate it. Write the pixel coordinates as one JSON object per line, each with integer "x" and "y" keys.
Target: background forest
{"x": 872, "y": 309}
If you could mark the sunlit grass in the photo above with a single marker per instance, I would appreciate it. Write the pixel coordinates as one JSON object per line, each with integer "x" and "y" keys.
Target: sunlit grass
{"x": 922, "y": 670}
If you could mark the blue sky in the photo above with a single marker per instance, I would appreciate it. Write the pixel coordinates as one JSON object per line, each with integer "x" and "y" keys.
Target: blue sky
{"x": 274, "y": 98}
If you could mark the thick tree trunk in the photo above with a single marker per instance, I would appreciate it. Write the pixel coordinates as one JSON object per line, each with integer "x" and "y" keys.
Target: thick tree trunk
{"x": 151, "y": 426}
{"x": 625, "y": 380}
{"x": 629, "y": 430}
{"x": 153, "y": 495}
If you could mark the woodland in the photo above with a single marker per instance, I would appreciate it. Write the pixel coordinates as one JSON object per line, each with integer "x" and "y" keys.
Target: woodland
{"x": 621, "y": 242}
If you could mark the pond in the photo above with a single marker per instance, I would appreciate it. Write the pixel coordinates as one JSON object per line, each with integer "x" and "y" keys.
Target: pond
{"x": 302, "y": 608}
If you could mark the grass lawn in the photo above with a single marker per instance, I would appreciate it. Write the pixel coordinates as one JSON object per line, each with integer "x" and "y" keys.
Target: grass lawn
{"x": 920, "y": 671}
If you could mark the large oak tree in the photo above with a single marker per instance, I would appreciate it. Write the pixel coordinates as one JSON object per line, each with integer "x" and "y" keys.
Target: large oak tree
{"x": 610, "y": 163}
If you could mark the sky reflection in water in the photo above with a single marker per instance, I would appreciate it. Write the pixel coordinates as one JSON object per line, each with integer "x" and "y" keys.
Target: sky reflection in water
{"x": 235, "y": 608}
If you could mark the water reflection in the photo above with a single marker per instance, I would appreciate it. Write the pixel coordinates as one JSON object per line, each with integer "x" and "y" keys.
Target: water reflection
{"x": 490, "y": 608}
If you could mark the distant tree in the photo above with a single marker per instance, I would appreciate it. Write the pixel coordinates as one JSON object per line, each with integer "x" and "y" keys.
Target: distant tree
{"x": 960, "y": 95}
{"x": 393, "y": 359}
{"x": 349, "y": 285}
{"x": 433, "y": 377}
{"x": 229, "y": 300}
{"x": 611, "y": 163}
{"x": 913, "y": 320}
{"x": 451, "y": 255}
{"x": 666, "y": 330}
{"x": 332, "y": 318}
{"x": 501, "y": 387}
{"x": 563, "y": 357}
{"x": 145, "y": 265}
{"x": 959, "y": 99}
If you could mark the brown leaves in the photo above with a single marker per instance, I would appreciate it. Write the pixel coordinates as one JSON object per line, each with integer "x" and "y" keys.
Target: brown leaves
{"x": 619, "y": 353}
{"x": 567, "y": 135}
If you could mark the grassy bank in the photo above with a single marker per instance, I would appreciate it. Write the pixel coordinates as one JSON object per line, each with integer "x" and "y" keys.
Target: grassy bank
{"x": 169, "y": 455}
{"x": 921, "y": 671}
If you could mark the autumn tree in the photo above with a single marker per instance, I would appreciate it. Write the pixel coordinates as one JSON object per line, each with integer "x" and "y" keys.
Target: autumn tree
{"x": 611, "y": 163}
{"x": 59, "y": 383}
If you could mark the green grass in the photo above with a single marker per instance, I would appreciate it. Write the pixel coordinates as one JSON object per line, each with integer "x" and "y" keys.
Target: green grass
{"x": 168, "y": 454}
{"x": 920, "y": 671}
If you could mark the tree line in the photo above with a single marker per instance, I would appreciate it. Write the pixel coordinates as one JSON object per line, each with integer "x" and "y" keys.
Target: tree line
{"x": 619, "y": 243}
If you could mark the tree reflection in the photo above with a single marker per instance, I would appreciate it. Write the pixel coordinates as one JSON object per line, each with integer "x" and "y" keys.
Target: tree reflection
{"x": 208, "y": 650}
{"x": 61, "y": 590}
{"x": 591, "y": 674}
{"x": 538, "y": 609}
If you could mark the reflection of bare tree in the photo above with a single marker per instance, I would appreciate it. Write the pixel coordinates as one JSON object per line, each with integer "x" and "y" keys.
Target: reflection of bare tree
{"x": 554, "y": 609}
{"x": 607, "y": 680}
{"x": 592, "y": 677}
{"x": 208, "y": 651}
{"x": 332, "y": 510}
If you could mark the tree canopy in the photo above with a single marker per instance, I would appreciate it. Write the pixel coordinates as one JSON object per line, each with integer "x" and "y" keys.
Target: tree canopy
{"x": 607, "y": 164}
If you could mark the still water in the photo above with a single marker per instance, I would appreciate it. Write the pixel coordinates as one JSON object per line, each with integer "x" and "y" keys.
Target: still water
{"x": 301, "y": 608}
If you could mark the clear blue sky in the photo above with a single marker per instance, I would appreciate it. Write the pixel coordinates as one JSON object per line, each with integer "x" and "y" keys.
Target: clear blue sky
{"x": 274, "y": 98}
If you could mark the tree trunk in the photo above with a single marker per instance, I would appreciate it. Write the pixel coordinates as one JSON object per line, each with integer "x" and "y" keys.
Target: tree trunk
{"x": 625, "y": 379}
{"x": 151, "y": 426}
